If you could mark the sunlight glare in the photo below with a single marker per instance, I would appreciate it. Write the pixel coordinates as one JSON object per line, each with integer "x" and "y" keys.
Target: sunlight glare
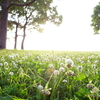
{"x": 74, "y": 34}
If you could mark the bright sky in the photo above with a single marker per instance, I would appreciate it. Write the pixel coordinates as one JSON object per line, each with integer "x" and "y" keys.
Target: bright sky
{"x": 74, "y": 34}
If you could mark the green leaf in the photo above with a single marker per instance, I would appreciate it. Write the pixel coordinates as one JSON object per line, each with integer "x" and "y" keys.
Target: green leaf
{"x": 80, "y": 77}
{"x": 82, "y": 92}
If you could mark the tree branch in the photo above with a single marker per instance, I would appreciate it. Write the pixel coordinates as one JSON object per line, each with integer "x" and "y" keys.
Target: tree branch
{"x": 1, "y": 4}
{"x": 16, "y": 23}
{"x": 17, "y": 4}
{"x": 28, "y": 16}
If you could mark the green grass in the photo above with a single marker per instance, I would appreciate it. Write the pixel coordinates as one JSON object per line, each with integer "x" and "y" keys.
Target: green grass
{"x": 45, "y": 75}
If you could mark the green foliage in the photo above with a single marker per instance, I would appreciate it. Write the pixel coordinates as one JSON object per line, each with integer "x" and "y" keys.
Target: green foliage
{"x": 43, "y": 75}
{"x": 96, "y": 19}
{"x": 10, "y": 25}
{"x": 35, "y": 14}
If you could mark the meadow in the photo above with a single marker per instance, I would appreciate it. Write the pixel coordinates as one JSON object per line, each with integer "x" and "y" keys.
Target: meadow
{"x": 49, "y": 75}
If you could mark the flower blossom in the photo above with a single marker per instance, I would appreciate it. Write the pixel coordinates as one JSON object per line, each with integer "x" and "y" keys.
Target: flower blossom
{"x": 70, "y": 73}
{"x": 90, "y": 85}
{"x": 69, "y": 63}
{"x": 65, "y": 81}
{"x": 80, "y": 68}
{"x": 1, "y": 64}
{"x": 94, "y": 90}
{"x": 46, "y": 91}
{"x": 5, "y": 63}
{"x": 51, "y": 65}
{"x": 40, "y": 87}
{"x": 61, "y": 64}
{"x": 11, "y": 73}
{"x": 61, "y": 69}
{"x": 56, "y": 72}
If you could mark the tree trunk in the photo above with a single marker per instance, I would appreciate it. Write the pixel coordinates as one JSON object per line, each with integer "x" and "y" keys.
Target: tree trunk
{"x": 24, "y": 35}
{"x": 16, "y": 35}
{"x": 3, "y": 24}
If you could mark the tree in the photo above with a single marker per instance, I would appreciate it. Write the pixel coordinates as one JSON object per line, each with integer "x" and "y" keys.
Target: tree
{"x": 17, "y": 24}
{"x": 5, "y": 6}
{"x": 14, "y": 23}
{"x": 42, "y": 6}
{"x": 96, "y": 19}
{"x": 34, "y": 17}
{"x": 36, "y": 14}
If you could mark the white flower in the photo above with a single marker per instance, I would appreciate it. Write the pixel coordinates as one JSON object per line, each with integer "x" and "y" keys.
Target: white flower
{"x": 98, "y": 56}
{"x": 65, "y": 81}
{"x": 13, "y": 63}
{"x": 2, "y": 59}
{"x": 17, "y": 55}
{"x": 56, "y": 72}
{"x": 46, "y": 92}
{"x": 80, "y": 68}
{"x": 61, "y": 69}
{"x": 94, "y": 90}
{"x": 40, "y": 63}
{"x": 90, "y": 85}
{"x": 69, "y": 63}
{"x": 15, "y": 66}
{"x": 5, "y": 63}
{"x": 88, "y": 61}
{"x": 83, "y": 57}
{"x": 40, "y": 87}
{"x": 63, "y": 59}
{"x": 82, "y": 62}
{"x": 58, "y": 59}
{"x": 51, "y": 65}
{"x": 47, "y": 54}
{"x": 89, "y": 57}
{"x": 61, "y": 64}
{"x": 70, "y": 73}
{"x": 78, "y": 59}
{"x": 94, "y": 65}
{"x": 1, "y": 64}
{"x": 6, "y": 68}
{"x": 19, "y": 60}
{"x": 11, "y": 57}
{"x": 11, "y": 73}
{"x": 92, "y": 56}
{"x": 96, "y": 61}
{"x": 28, "y": 54}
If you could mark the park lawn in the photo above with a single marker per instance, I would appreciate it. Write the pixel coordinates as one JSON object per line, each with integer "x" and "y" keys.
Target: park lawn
{"x": 49, "y": 75}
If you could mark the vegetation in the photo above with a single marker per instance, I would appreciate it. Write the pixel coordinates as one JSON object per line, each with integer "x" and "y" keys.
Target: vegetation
{"x": 31, "y": 12}
{"x": 49, "y": 75}
{"x": 96, "y": 19}
{"x": 4, "y": 10}
{"x": 31, "y": 17}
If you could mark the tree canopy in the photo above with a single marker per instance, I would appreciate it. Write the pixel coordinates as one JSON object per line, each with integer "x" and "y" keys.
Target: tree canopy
{"x": 41, "y": 12}
{"x": 96, "y": 19}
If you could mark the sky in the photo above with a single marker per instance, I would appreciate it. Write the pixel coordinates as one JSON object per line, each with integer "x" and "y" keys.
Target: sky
{"x": 74, "y": 34}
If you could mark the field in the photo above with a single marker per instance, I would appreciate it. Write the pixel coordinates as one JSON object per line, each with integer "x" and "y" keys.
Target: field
{"x": 49, "y": 75}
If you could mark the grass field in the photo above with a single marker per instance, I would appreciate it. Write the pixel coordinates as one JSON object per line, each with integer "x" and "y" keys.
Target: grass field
{"x": 49, "y": 75}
